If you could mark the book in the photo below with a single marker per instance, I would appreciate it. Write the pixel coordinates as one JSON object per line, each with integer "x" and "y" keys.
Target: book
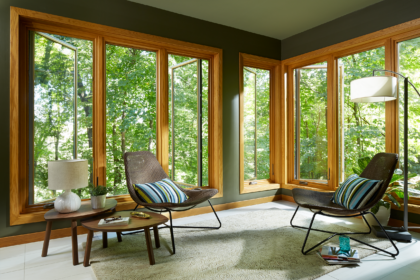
{"x": 122, "y": 222}
{"x": 339, "y": 262}
{"x": 333, "y": 253}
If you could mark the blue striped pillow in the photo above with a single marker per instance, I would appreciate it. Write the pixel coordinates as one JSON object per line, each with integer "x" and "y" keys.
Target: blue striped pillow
{"x": 355, "y": 192}
{"x": 164, "y": 191}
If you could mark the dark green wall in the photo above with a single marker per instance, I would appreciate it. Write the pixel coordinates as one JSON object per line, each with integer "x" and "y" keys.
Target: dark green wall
{"x": 370, "y": 19}
{"x": 132, "y": 16}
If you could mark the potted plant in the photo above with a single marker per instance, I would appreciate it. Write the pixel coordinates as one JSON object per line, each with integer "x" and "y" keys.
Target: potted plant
{"x": 98, "y": 196}
{"x": 382, "y": 209}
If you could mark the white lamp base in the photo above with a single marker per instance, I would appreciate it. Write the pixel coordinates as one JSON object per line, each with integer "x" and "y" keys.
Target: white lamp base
{"x": 67, "y": 202}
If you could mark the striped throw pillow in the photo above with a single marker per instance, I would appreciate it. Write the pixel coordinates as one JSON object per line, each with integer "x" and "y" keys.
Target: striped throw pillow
{"x": 164, "y": 191}
{"x": 355, "y": 192}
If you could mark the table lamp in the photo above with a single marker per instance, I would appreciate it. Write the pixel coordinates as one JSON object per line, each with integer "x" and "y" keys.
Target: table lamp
{"x": 379, "y": 89}
{"x": 67, "y": 175}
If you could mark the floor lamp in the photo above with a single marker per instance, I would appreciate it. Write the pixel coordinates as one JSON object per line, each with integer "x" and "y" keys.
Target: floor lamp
{"x": 380, "y": 89}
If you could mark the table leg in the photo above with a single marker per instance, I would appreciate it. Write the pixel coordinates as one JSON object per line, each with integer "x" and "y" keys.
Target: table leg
{"x": 46, "y": 239}
{"x": 156, "y": 232}
{"x": 149, "y": 246}
{"x": 104, "y": 239}
{"x": 88, "y": 248}
{"x": 74, "y": 244}
{"x": 119, "y": 237}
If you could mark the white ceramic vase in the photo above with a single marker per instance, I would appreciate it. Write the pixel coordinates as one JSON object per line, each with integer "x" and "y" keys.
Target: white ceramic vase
{"x": 382, "y": 216}
{"x": 67, "y": 202}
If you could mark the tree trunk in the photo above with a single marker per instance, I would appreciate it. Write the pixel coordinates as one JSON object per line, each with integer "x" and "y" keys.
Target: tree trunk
{"x": 117, "y": 173}
{"x": 86, "y": 98}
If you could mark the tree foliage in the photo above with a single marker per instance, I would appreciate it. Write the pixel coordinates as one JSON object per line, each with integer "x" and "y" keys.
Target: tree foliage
{"x": 53, "y": 108}
{"x": 183, "y": 120}
{"x": 313, "y": 134}
{"x": 256, "y": 124}
{"x": 130, "y": 109}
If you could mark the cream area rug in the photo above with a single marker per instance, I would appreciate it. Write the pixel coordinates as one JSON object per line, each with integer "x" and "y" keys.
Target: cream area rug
{"x": 257, "y": 245}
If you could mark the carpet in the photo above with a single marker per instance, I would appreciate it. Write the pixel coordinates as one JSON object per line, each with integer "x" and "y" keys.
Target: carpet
{"x": 257, "y": 245}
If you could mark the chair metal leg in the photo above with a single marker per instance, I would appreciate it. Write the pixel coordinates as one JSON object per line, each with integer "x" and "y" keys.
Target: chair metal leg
{"x": 386, "y": 234}
{"x": 217, "y": 217}
{"x": 344, "y": 233}
{"x": 307, "y": 235}
{"x": 331, "y": 232}
{"x": 172, "y": 232}
{"x": 171, "y": 226}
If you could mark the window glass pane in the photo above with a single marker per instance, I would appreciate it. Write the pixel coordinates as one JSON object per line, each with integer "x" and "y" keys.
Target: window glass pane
{"x": 409, "y": 66}
{"x": 130, "y": 109}
{"x": 311, "y": 134}
{"x": 362, "y": 125}
{"x": 188, "y": 131}
{"x": 52, "y": 114}
{"x": 256, "y": 124}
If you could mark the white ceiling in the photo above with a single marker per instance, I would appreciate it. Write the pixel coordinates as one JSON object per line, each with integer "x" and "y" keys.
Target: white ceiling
{"x": 273, "y": 18}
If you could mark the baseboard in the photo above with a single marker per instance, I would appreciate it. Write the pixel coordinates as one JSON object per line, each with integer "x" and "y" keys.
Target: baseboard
{"x": 65, "y": 232}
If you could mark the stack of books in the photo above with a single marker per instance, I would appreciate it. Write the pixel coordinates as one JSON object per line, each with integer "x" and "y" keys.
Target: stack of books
{"x": 332, "y": 255}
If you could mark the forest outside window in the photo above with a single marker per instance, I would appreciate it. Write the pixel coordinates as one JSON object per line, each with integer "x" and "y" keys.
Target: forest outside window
{"x": 311, "y": 124}
{"x": 88, "y": 95}
{"x": 60, "y": 108}
{"x": 256, "y": 124}
{"x": 130, "y": 109}
{"x": 361, "y": 125}
{"x": 188, "y": 121}
{"x": 258, "y": 99}
{"x": 409, "y": 66}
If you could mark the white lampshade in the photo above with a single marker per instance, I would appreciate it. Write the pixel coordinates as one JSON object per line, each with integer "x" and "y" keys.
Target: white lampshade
{"x": 68, "y": 174}
{"x": 373, "y": 89}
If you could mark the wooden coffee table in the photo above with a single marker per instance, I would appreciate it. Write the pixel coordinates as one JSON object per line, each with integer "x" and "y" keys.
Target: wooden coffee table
{"x": 84, "y": 211}
{"x": 135, "y": 224}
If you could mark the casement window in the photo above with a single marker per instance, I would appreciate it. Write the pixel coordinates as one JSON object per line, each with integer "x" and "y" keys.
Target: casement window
{"x": 258, "y": 103}
{"x": 327, "y": 134}
{"x": 311, "y": 124}
{"x": 361, "y": 125}
{"x": 188, "y": 120}
{"x": 78, "y": 90}
{"x": 59, "y": 108}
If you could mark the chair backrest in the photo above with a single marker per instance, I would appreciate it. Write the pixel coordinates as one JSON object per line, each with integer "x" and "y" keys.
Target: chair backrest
{"x": 141, "y": 168}
{"x": 381, "y": 167}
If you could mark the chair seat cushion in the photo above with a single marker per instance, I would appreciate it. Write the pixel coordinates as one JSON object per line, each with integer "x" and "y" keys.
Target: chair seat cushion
{"x": 355, "y": 192}
{"x": 164, "y": 191}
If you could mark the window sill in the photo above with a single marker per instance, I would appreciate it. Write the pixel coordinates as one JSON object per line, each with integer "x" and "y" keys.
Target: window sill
{"x": 36, "y": 215}
{"x": 262, "y": 185}
{"x": 312, "y": 188}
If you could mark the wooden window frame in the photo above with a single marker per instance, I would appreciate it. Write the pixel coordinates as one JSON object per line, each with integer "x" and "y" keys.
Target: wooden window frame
{"x": 389, "y": 38}
{"x": 22, "y": 20}
{"x": 274, "y": 66}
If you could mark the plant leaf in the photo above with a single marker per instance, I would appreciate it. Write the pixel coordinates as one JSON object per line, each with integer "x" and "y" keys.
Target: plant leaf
{"x": 363, "y": 162}
{"x": 393, "y": 200}
{"x": 375, "y": 208}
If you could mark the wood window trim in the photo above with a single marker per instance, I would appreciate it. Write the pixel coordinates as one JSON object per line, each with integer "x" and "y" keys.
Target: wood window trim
{"x": 389, "y": 38}
{"x": 332, "y": 124}
{"x": 274, "y": 66}
{"x": 22, "y": 19}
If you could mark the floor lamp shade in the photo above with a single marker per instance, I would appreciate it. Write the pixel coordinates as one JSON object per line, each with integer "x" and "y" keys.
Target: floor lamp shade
{"x": 373, "y": 89}
{"x": 67, "y": 175}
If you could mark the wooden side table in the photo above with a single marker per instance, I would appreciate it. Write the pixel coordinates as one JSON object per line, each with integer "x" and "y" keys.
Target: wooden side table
{"x": 135, "y": 224}
{"x": 84, "y": 211}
